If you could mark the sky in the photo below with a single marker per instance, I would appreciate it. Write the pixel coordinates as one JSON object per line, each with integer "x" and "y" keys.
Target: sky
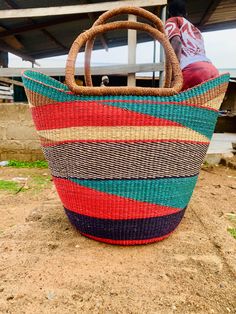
{"x": 220, "y": 49}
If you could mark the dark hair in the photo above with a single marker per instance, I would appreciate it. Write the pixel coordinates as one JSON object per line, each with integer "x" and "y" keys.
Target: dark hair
{"x": 177, "y": 8}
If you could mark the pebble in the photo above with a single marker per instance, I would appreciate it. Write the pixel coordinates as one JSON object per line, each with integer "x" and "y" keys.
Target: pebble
{"x": 50, "y": 295}
{"x": 217, "y": 186}
{"x": 52, "y": 245}
{"x": 34, "y": 216}
{"x": 10, "y": 297}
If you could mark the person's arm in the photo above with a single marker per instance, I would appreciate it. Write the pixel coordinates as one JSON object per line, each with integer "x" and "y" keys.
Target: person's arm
{"x": 177, "y": 45}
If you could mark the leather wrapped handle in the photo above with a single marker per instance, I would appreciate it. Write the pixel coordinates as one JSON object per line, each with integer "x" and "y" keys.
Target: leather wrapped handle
{"x": 157, "y": 23}
{"x": 123, "y": 90}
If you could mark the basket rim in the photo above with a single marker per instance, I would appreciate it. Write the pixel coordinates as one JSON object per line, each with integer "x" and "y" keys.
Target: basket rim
{"x": 64, "y": 88}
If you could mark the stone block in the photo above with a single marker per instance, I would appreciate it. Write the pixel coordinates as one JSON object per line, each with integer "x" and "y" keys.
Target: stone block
{"x": 13, "y": 145}
{"x": 19, "y": 132}
{"x": 32, "y": 145}
{"x": 2, "y": 133}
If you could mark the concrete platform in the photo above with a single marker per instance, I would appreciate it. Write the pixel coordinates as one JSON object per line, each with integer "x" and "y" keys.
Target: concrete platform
{"x": 220, "y": 147}
{"x": 221, "y": 143}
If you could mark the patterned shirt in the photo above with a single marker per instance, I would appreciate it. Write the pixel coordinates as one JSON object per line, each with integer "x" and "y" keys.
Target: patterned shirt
{"x": 192, "y": 49}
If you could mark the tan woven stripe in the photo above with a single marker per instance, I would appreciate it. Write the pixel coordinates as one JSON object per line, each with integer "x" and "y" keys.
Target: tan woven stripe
{"x": 214, "y": 103}
{"x": 123, "y": 133}
{"x": 36, "y": 99}
{"x": 213, "y": 93}
{"x": 125, "y": 160}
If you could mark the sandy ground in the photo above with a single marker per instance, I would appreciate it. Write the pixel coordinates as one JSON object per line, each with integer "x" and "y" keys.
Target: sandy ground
{"x": 46, "y": 266}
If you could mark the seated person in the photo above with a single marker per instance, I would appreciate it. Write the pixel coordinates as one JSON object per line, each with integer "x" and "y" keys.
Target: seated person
{"x": 188, "y": 44}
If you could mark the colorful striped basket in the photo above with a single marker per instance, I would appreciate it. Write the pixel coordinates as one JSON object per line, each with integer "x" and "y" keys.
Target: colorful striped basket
{"x": 124, "y": 160}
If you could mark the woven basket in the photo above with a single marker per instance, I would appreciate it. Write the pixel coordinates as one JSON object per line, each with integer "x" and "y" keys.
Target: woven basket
{"x": 124, "y": 160}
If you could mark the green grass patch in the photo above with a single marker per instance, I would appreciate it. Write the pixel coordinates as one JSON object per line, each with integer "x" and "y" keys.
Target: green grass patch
{"x": 9, "y": 186}
{"x": 38, "y": 182}
{"x": 28, "y": 164}
{"x": 232, "y": 232}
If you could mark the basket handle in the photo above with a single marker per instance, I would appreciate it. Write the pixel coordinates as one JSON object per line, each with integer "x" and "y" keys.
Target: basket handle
{"x": 157, "y": 23}
{"x": 123, "y": 90}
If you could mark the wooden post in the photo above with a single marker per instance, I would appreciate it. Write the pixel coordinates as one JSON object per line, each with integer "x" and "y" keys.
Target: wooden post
{"x": 132, "y": 42}
{"x": 154, "y": 61}
{"x": 162, "y": 54}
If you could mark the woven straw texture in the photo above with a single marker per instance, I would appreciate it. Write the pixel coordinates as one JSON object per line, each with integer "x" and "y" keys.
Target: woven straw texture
{"x": 124, "y": 160}
{"x": 124, "y": 167}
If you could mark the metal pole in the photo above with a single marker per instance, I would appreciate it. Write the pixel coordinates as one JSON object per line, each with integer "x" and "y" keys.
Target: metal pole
{"x": 154, "y": 61}
{"x": 132, "y": 41}
{"x": 162, "y": 54}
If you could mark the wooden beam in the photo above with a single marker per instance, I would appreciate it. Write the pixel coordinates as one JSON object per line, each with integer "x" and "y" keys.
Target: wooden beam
{"x": 11, "y": 81}
{"x": 5, "y": 88}
{"x": 41, "y": 25}
{"x": 5, "y": 47}
{"x": 6, "y": 97}
{"x": 93, "y": 19}
{"x": 53, "y": 39}
{"x": 217, "y": 26}
{"x": 10, "y": 3}
{"x": 118, "y": 69}
{"x": 12, "y": 40}
{"x": 209, "y": 11}
{"x": 8, "y": 92}
{"x": 73, "y": 9}
{"x": 14, "y": 5}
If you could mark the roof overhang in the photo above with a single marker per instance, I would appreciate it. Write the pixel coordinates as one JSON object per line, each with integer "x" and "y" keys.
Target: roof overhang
{"x": 49, "y": 30}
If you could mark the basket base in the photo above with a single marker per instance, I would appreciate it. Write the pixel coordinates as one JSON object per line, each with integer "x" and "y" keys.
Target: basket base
{"x": 126, "y": 242}
{"x": 126, "y": 232}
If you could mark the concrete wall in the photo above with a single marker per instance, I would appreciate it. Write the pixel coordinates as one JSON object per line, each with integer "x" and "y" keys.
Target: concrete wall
{"x": 18, "y": 138}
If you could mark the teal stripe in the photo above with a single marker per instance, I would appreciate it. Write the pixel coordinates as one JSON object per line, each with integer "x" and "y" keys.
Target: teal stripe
{"x": 198, "y": 119}
{"x": 45, "y": 79}
{"x": 175, "y": 192}
{"x": 45, "y": 86}
{"x": 181, "y": 97}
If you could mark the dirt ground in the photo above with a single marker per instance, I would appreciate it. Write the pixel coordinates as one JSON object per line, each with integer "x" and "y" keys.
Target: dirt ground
{"x": 46, "y": 266}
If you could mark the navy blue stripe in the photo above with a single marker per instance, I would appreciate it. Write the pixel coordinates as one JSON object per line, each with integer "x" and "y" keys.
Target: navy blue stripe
{"x": 129, "y": 229}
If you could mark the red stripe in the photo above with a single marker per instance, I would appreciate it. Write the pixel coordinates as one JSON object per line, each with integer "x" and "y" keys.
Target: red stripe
{"x": 72, "y": 114}
{"x": 126, "y": 242}
{"x": 93, "y": 203}
{"x": 46, "y": 143}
